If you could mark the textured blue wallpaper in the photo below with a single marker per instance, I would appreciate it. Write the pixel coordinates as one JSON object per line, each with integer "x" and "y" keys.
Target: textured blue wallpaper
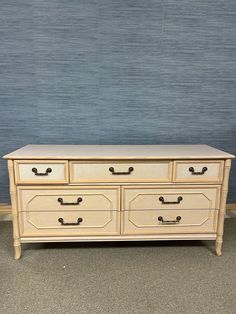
{"x": 117, "y": 72}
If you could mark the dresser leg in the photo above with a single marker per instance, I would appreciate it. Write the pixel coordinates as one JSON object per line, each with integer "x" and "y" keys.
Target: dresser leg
{"x": 221, "y": 217}
{"x": 15, "y": 222}
{"x": 17, "y": 251}
{"x": 218, "y": 246}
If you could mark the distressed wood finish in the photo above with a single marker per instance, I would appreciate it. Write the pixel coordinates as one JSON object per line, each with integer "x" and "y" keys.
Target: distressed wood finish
{"x": 85, "y": 201}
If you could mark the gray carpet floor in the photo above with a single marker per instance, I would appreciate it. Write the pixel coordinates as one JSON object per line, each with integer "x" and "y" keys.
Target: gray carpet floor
{"x": 119, "y": 278}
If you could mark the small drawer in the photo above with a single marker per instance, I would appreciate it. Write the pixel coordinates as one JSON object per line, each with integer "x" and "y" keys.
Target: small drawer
{"x": 169, "y": 221}
{"x": 68, "y": 223}
{"x": 33, "y": 199}
{"x": 198, "y": 171}
{"x": 119, "y": 171}
{"x": 41, "y": 172}
{"x": 175, "y": 197}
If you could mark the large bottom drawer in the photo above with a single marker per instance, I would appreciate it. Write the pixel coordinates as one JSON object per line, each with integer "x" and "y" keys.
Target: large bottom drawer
{"x": 67, "y": 223}
{"x": 169, "y": 221}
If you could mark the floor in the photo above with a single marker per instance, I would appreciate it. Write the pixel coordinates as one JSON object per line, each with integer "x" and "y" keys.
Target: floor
{"x": 119, "y": 278}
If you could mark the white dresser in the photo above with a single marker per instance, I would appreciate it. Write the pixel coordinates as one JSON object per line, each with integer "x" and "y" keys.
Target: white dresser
{"x": 63, "y": 193}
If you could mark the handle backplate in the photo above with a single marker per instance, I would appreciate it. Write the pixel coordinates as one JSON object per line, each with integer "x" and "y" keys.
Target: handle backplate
{"x": 169, "y": 222}
{"x": 35, "y": 171}
{"x": 112, "y": 170}
{"x": 79, "y": 200}
{"x": 197, "y": 173}
{"x": 179, "y": 199}
{"x": 61, "y": 220}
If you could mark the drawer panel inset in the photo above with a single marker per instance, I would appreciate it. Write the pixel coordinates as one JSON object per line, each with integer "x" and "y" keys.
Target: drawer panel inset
{"x": 69, "y": 223}
{"x": 41, "y": 172}
{"x": 119, "y": 171}
{"x": 46, "y": 198}
{"x": 175, "y": 197}
{"x": 169, "y": 221}
{"x": 198, "y": 171}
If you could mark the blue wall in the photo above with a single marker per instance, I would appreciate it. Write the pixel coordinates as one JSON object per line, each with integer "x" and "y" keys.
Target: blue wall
{"x": 117, "y": 72}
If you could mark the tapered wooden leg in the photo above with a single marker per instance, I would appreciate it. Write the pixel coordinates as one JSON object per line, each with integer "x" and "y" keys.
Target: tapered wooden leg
{"x": 16, "y": 239}
{"x": 17, "y": 251}
{"x": 218, "y": 246}
{"x": 221, "y": 216}
{"x": 15, "y": 222}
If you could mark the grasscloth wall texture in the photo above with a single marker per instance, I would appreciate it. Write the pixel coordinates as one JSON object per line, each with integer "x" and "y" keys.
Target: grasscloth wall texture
{"x": 117, "y": 72}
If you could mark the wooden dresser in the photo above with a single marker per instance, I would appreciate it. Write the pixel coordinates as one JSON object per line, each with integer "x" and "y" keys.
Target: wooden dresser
{"x": 65, "y": 193}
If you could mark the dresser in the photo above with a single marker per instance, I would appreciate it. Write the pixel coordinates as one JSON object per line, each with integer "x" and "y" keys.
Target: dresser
{"x": 64, "y": 193}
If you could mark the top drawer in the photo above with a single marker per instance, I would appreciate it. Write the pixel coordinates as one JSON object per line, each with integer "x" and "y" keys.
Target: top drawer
{"x": 41, "y": 172}
{"x": 198, "y": 171}
{"x": 120, "y": 171}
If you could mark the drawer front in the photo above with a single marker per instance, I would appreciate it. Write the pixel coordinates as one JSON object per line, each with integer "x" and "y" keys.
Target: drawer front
{"x": 169, "y": 221}
{"x": 198, "y": 171}
{"x": 41, "y": 172}
{"x": 67, "y": 223}
{"x": 120, "y": 171}
{"x": 32, "y": 199}
{"x": 176, "y": 197}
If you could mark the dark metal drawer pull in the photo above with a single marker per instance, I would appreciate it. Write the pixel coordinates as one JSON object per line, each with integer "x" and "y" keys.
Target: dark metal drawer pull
{"x": 35, "y": 171}
{"x": 178, "y": 218}
{"x": 112, "y": 170}
{"x": 196, "y": 173}
{"x": 180, "y": 198}
{"x": 79, "y": 200}
{"x": 61, "y": 220}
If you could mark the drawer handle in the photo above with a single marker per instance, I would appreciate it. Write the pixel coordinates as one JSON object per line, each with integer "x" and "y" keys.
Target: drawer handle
{"x": 180, "y": 198}
{"x": 79, "y": 200}
{"x": 35, "y": 171}
{"x": 169, "y": 222}
{"x": 61, "y": 220}
{"x": 196, "y": 173}
{"x": 112, "y": 170}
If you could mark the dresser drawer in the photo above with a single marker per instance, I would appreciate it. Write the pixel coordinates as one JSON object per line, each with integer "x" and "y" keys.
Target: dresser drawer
{"x": 68, "y": 223}
{"x": 198, "y": 171}
{"x": 41, "y": 172}
{"x": 169, "y": 221}
{"x": 174, "y": 197}
{"x": 119, "y": 171}
{"x": 33, "y": 199}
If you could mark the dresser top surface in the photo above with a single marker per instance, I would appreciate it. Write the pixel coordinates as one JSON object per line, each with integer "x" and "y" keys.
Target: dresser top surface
{"x": 118, "y": 152}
